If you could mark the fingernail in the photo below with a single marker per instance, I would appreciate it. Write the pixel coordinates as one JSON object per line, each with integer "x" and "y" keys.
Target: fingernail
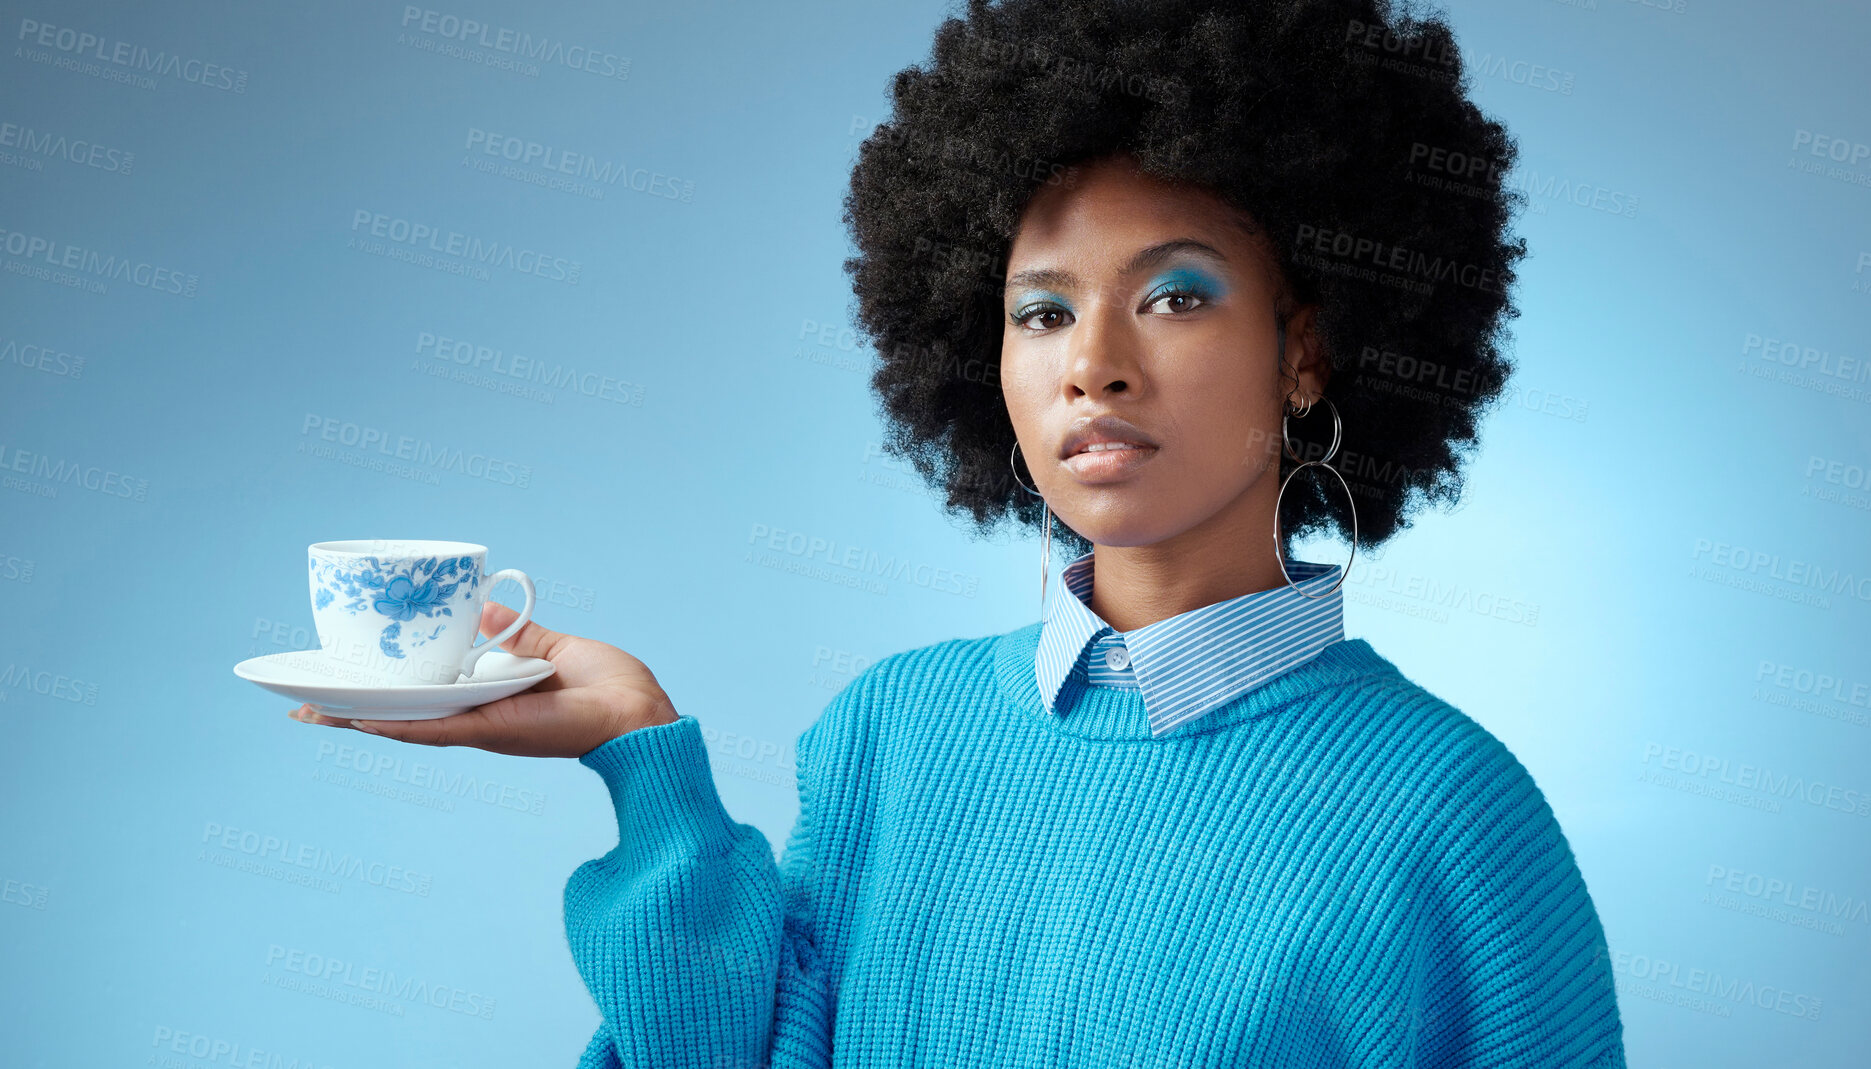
{"x": 365, "y": 725}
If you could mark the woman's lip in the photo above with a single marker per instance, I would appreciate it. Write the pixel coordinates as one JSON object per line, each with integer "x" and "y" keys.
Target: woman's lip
{"x": 1108, "y": 465}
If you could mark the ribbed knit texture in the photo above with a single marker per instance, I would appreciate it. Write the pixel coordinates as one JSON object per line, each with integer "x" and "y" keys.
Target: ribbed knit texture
{"x": 1335, "y": 869}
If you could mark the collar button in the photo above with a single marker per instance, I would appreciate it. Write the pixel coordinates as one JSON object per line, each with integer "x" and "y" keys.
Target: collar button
{"x": 1117, "y": 657}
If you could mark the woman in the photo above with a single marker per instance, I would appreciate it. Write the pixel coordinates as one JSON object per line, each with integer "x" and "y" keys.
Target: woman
{"x": 1181, "y": 821}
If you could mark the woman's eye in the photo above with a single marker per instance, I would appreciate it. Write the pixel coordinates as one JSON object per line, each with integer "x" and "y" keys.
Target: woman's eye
{"x": 1048, "y": 315}
{"x": 1190, "y": 299}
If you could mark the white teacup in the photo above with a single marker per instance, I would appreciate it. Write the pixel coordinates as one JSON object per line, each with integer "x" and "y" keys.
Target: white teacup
{"x": 406, "y": 613}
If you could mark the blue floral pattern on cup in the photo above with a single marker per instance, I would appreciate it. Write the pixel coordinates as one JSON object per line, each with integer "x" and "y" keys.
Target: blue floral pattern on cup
{"x": 402, "y": 599}
{"x": 398, "y": 592}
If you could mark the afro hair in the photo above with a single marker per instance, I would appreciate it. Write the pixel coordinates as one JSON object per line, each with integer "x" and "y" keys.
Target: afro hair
{"x": 1341, "y": 129}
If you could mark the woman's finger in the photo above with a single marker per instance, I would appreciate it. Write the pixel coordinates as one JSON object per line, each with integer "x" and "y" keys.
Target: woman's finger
{"x": 473, "y": 727}
{"x": 506, "y": 726}
{"x": 529, "y": 641}
{"x": 307, "y": 714}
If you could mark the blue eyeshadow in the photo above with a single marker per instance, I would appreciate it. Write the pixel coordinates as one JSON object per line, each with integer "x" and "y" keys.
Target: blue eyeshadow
{"x": 1190, "y": 278}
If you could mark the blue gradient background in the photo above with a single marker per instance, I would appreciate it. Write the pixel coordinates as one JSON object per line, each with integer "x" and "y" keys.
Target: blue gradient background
{"x": 1639, "y": 438}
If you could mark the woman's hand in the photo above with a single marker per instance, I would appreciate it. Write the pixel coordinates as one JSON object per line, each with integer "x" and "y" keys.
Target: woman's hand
{"x": 597, "y": 693}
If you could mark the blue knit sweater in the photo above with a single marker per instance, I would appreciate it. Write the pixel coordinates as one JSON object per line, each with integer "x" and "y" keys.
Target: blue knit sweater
{"x": 1335, "y": 869}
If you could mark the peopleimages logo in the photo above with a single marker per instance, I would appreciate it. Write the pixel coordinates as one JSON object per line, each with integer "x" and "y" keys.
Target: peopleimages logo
{"x": 45, "y": 359}
{"x": 1702, "y": 989}
{"x": 520, "y": 367}
{"x": 1848, "y": 368}
{"x": 1524, "y": 73}
{"x": 561, "y": 161}
{"x": 21, "y": 677}
{"x": 429, "y": 777}
{"x": 1412, "y": 53}
{"x": 1545, "y": 187}
{"x": 472, "y": 34}
{"x": 216, "y": 1050}
{"x": 132, "y": 57}
{"x": 422, "y": 456}
{"x": 379, "y": 981}
{"x": 1755, "y": 563}
{"x": 1819, "y": 693}
{"x": 57, "y": 471}
{"x": 1336, "y": 249}
{"x": 487, "y": 253}
{"x": 314, "y": 859}
{"x": 48, "y": 145}
{"x": 1837, "y": 149}
{"x": 858, "y": 562}
{"x": 1789, "y": 893}
{"x": 35, "y": 254}
{"x": 1709, "y": 769}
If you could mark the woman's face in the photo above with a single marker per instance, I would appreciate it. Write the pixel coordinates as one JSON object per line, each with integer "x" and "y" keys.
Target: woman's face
{"x": 1150, "y": 303}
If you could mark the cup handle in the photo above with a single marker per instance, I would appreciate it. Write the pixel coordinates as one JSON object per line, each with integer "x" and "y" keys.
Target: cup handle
{"x": 474, "y": 652}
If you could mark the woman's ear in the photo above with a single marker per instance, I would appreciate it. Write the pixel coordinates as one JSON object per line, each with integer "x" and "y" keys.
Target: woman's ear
{"x": 1305, "y": 355}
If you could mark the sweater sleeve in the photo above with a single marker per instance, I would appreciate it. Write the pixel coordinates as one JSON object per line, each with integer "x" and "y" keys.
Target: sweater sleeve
{"x": 698, "y": 948}
{"x": 1518, "y": 976}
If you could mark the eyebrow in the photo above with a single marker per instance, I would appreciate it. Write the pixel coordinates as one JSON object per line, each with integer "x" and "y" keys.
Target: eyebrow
{"x": 1059, "y": 278}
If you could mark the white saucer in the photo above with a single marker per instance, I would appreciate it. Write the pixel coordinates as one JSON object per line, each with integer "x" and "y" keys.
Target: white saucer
{"x": 306, "y": 676}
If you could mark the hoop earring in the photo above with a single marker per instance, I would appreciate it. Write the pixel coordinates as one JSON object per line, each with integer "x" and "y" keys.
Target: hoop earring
{"x": 1045, "y": 552}
{"x": 1338, "y": 429}
{"x": 1286, "y": 446}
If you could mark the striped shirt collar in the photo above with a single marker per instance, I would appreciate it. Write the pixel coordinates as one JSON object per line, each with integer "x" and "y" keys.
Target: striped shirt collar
{"x": 1193, "y": 662}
